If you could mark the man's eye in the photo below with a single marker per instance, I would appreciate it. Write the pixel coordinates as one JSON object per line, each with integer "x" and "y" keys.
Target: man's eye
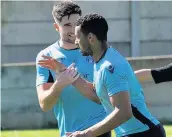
{"x": 67, "y": 24}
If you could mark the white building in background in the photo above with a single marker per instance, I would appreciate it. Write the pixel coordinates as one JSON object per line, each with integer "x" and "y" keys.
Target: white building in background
{"x": 135, "y": 28}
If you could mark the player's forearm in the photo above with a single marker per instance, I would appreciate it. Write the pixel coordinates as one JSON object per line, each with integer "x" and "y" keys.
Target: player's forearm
{"x": 49, "y": 97}
{"x": 116, "y": 118}
{"x": 86, "y": 88}
{"x": 144, "y": 75}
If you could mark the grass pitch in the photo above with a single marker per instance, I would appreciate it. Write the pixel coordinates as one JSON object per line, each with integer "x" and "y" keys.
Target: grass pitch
{"x": 52, "y": 133}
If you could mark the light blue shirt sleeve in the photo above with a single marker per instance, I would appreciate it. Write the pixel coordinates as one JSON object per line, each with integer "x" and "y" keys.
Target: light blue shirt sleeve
{"x": 42, "y": 74}
{"x": 115, "y": 81}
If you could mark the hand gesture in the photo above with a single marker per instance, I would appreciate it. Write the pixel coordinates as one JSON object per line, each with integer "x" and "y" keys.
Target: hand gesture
{"x": 51, "y": 63}
{"x": 68, "y": 76}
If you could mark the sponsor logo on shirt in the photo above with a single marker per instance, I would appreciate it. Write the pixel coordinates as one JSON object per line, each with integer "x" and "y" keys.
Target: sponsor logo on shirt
{"x": 110, "y": 68}
{"x": 85, "y": 75}
{"x": 89, "y": 60}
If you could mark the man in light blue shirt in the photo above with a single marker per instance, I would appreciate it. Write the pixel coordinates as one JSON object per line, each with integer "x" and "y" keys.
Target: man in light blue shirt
{"x": 115, "y": 83}
{"x": 72, "y": 110}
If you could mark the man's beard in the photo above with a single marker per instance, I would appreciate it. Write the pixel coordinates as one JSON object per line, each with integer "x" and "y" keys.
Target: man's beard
{"x": 87, "y": 53}
{"x": 68, "y": 39}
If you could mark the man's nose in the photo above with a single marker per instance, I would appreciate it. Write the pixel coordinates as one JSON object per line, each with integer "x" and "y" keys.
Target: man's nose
{"x": 76, "y": 43}
{"x": 73, "y": 28}
{"x": 72, "y": 35}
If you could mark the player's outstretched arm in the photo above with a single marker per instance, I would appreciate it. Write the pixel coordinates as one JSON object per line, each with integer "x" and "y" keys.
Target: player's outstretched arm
{"x": 144, "y": 75}
{"x": 87, "y": 89}
{"x": 159, "y": 75}
{"x": 162, "y": 74}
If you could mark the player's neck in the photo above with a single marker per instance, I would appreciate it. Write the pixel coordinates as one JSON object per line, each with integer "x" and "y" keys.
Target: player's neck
{"x": 66, "y": 45}
{"x": 99, "y": 50}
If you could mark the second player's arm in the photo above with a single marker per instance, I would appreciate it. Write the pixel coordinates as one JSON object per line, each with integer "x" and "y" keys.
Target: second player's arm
{"x": 121, "y": 114}
{"x": 158, "y": 75}
{"x": 87, "y": 89}
{"x": 144, "y": 75}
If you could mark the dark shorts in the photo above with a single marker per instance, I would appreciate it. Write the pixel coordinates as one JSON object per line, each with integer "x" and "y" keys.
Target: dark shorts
{"x": 108, "y": 134}
{"x": 156, "y": 131}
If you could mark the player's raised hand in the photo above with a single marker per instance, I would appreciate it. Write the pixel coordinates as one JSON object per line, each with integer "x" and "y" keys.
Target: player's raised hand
{"x": 68, "y": 76}
{"x": 51, "y": 63}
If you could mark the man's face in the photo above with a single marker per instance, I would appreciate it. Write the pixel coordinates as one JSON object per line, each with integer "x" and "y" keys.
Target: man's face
{"x": 82, "y": 42}
{"x": 66, "y": 28}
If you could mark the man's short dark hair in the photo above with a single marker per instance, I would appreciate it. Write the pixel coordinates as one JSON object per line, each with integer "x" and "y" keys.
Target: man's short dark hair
{"x": 65, "y": 8}
{"x": 94, "y": 23}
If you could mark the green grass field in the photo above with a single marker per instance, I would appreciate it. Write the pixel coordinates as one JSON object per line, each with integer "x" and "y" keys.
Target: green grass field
{"x": 51, "y": 133}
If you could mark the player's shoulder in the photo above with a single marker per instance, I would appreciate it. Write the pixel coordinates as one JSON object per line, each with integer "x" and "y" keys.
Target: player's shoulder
{"x": 111, "y": 51}
{"x": 47, "y": 51}
{"x": 109, "y": 58}
{"x": 113, "y": 61}
{"x": 114, "y": 54}
{"x": 107, "y": 65}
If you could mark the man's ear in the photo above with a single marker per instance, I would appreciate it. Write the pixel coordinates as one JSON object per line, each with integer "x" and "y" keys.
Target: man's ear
{"x": 90, "y": 37}
{"x": 56, "y": 26}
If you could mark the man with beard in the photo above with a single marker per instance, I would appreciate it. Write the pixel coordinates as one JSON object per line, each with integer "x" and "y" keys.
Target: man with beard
{"x": 72, "y": 110}
{"x": 115, "y": 83}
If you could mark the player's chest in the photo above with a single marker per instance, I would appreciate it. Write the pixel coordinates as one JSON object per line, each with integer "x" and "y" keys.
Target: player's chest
{"x": 97, "y": 77}
{"x": 85, "y": 67}
{"x": 101, "y": 91}
{"x": 98, "y": 83}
